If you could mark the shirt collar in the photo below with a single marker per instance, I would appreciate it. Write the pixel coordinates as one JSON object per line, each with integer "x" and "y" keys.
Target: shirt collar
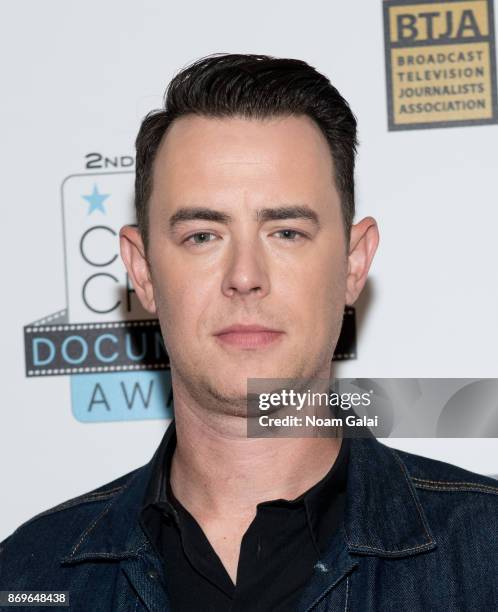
{"x": 158, "y": 492}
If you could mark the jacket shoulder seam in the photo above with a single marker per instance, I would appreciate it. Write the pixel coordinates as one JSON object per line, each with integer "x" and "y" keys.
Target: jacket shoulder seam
{"x": 76, "y": 501}
{"x": 453, "y": 485}
{"x": 82, "y": 499}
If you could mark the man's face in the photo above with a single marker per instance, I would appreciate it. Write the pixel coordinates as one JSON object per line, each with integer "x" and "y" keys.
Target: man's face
{"x": 287, "y": 274}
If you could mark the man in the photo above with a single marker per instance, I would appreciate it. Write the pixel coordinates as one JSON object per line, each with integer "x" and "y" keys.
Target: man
{"x": 246, "y": 252}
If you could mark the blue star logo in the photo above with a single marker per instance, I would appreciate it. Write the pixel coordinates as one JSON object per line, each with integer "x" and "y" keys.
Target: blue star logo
{"x": 96, "y": 200}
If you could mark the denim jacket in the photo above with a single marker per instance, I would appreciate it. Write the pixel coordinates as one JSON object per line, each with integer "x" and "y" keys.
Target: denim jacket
{"x": 418, "y": 534}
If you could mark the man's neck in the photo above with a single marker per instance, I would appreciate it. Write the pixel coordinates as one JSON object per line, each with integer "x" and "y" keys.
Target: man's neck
{"x": 217, "y": 471}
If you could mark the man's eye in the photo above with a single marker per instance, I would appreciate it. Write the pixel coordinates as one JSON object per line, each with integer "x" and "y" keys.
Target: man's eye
{"x": 289, "y": 234}
{"x": 201, "y": 235}
{"x": 200, "y": 238}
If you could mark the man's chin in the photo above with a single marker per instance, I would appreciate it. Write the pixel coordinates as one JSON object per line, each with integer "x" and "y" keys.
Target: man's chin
{"x": 235, "y": 383}
{"x": 236, "y": 380}
{"x": 225, "y": 399}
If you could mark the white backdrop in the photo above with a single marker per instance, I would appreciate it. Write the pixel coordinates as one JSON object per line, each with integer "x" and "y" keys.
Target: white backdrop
{"x": 78, "y": 77}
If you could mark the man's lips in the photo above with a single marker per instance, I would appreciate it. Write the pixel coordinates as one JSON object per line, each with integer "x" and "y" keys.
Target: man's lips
{"x": 248, "y": 336}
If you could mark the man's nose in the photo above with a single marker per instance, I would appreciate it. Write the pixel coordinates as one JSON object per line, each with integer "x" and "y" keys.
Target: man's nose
{"x": 246, "y": 272}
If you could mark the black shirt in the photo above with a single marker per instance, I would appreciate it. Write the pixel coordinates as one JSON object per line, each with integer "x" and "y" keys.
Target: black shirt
{"x": 277, "y": 553}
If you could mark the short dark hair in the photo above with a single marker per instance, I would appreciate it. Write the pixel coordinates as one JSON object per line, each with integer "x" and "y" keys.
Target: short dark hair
{"x": 253, "y": 86}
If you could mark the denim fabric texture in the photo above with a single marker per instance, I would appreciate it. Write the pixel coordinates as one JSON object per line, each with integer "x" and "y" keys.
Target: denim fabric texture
{"x": 418, "y": 534}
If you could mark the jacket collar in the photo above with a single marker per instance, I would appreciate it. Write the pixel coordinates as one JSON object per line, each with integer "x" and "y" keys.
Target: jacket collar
{"x": 383, "y": 514}
{"x": 116, "y": 533}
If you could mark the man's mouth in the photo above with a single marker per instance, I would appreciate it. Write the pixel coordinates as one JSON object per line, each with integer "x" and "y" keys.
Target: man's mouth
{"x": 248, "y": 336}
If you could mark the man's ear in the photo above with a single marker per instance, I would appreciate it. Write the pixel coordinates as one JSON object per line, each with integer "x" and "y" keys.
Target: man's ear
{"x": 362, "y": 246}
{"x": 135, "y": 260}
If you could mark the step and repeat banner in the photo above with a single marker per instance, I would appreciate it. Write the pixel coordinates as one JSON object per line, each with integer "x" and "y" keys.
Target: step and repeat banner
{"x": 85, "y": 374}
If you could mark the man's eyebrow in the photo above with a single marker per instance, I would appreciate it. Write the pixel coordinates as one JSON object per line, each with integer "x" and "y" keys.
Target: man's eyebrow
{"x": 263, "y": 214}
